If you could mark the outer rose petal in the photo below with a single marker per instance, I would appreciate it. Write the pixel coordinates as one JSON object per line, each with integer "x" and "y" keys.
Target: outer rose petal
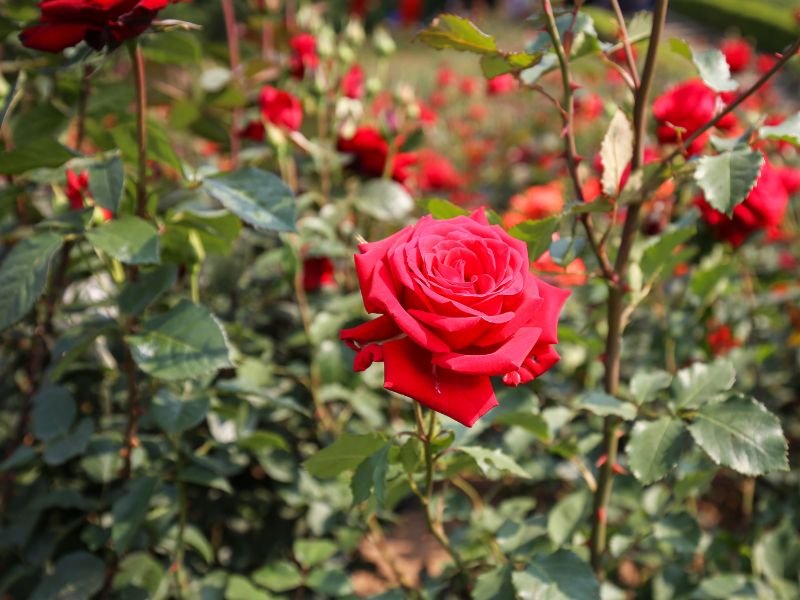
{"x": 376, "y": 330}
{"x": 408, "y": 371}
{"x": 54, "y": 37}
{"x": 507, "y": 357}
{"x": 549, "y": 310}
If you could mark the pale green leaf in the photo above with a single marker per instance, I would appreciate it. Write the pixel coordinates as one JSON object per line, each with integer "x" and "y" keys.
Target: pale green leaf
{"x": 616, "y": 152}
{"x": 345, "y": 454}
{"x": 727, "y": 178}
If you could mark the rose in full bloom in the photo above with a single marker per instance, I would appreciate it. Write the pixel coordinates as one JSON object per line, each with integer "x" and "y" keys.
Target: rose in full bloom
{"x": 458, "y": 306}
{"x": 686, "y": 107}
{"x": 370, "y": 151}
{"x": 502, "y": 84}
{"x": 353, "y": 83}
{"x": 77, "y": 191}
{"x": 280, "y": 108}
{"x": 537, "y": 202}
{"x": 738, "y": 54}
{"x": 304, "y": 54}
{"x": 763, "y": 209}
{"x": 99, "y": 23}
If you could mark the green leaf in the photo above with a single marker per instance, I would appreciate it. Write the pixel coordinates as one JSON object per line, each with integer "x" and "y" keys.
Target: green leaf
{"x": 680, "y": 531}
{"x": 102, "y": 460}
{"x": 699, "y": 383}
{"x": 279, "y": 576}
{"x": 530, "y": 422}
{"x": 139, "y": 570}
{"x": 22, "y": 456}
{"x": 39, "y": 153}
{"x": 129, "y": 511}
{"x": 202, "y": 475}
{"x": 558, "y": 576}
{"x": 727, "y": 178}
{"x": 185, "y": 342}
{"x": 493, "y": 65}
{"x": 240, "y": 588}
{"x": 727, "y": 586}
{"x": 654, "y": 448}
{"x": 491, "y": 461}
{"x": 151, "y": 285}
{"x": 107, "y": 182}
{"x": 787, "y": 131}
{"x": 547, "y": 63}
{"x": 66, "y": 447}
{"x": 23, "y": 275}
{"x": 54, "y": 411}
{"x": 173, "y": 48}
{"x": 537, "y": 234}
{"x": 313, "y": 552}
{"x": 257, "y": 197}
{"x": 566, "y": 517}
{"x": 344, "y": 454}
{"x": 494, "y": 585}
{"x": 776, "y": 554}
{"x": 659, "y": 253}
{"x": 616, "y": 152}
{"x": 371, "y": 475}
{"x": 711, "y": 65}
{"x": 174, "y": 414}
{"x": 646, "y": 384}
{"x": 411, "y": 454}
{"x": 77, "y": 576}
{"x": 604, "y": 405}
{"x": 385, "y": 200}
{"x": 740, "y": 433}
{"x": 444, "y": 209}
{"x": 329, "y": 583}
{"x": 457, "y": 33}
{"x": 129, "y": 239}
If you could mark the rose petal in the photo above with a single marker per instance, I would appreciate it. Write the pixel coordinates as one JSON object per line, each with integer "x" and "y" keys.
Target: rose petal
{"x": 507, "y": 357}
{"x": 408, "y": 371}
{"x": 376, "y": 330}
{"x": 54, "y": 37}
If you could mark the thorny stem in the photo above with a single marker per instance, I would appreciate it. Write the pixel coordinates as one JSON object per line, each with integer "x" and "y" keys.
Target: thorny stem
{"x": 137, "y": 59}
{"x": 616, "y": 308}
{"x": 426, "y": 496}
{"x": 229, "y": 14}
{"x": 567, "y": 108}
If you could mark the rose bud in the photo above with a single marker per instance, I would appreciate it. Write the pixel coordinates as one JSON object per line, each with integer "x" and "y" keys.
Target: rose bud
{"x": 304, "y": 54}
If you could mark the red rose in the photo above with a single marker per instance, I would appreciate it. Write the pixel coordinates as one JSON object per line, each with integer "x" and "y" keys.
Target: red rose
{"x": 370, "y": 151}
{"x": 304, "y": 54}
{"x": 572, "y": 275}
{"x": 721, "y": 340}
{"x": 458, "y": 306}
{"x": 281, "y": 108}
{"x": 254, "y": 130}
{"x": 410, "y": 11}
{"x": 427, "y": 116}
{"x": 99, "y": 23}
{"x": 738, "y": 54}
{"x": 445, "y": 77}
{"x": 317, "y": 272}
{"x": 77, "y": 191}
{"x": 589, "y": 106}
{"x": 765, "y": 62}
{"x": 537, "y": 202}
{"x": 353, "y": 82}
{"x": 468, "y": 86}
{"x": 437, "y": 173}
{"x": 763, "y": 208}
{"x": 502, "y": 84}
{"x": 687, "y": 106}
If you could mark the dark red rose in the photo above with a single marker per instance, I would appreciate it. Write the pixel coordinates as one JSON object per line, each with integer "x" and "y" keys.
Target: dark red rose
{"x": 99, "y": 23}
{"x": 281, "y": 108}
{"x": 304, "y": 54}
{"x": 254, "y": 130}
{"x": 317, "y": 273}
{"x": 370, "y": 150}
{"x": 502, "y": 84}
{"x": 410, "y": 11}
{"x": 687, "y": 106}
{"x": 763, "y": 209}
{"x": 738, "y": 54}
{"x": 458, "y": 305}
{"x": 721, "y": 340}
{"x": 77, "y": 191}
{"x": 353, "y": 82}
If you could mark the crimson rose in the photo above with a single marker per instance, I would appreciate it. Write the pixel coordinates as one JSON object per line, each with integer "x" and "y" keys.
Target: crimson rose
{"x": 458, "y": 306}
{"x": 99, "y": 23}
{"x": 281, "y": 108}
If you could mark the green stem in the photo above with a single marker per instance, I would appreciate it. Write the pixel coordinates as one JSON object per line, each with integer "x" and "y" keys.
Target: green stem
{"x": 137, "y": 60}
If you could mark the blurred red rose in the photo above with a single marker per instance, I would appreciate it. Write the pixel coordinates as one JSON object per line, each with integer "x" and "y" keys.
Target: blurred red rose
{"x": 738, "y": 54}
{"x": 764, "y": 62}
{"x": 427, "y": 116}
{"x": 763, "y": 209}
{"x": 317, "y": 273}
{"x": 687, "y": 106}
{"x": 468, "y": 86}
{"x": 410, "y": 11}
{"x": 435, "y": 172}
{"x": 458, "y": 305}
{"x": 537, "y": 202}
{"x": 353, "y": 82}
{"x": 304, "y": 54}
{"x": 588, "y": 106}
{"x": 99, "y": 23}
{"x": 281, "y": 108}
{"x": 370, "y": 151}
{"x": 445, "y": 77}
{"x": 573, "y": 275}
{"x": 254, "y": 130}
{"x": 77, "y": 191}
{"x": 721, "y": 340}
{"x": 502, "y": 84}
